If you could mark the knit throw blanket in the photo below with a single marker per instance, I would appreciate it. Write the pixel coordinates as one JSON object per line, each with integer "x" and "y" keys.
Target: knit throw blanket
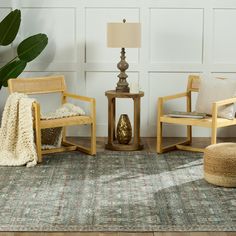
{"x": 17, "y": 145}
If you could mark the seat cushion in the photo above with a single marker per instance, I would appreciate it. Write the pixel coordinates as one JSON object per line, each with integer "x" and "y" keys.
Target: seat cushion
{"x": 66, "y": 110}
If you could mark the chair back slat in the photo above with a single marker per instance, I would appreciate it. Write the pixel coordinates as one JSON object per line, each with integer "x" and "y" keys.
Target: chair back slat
{"x": 37, "y": 85}
{"x": 193, "y": 83}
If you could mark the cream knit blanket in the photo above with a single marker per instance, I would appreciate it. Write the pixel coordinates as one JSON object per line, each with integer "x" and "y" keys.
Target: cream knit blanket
{"x": 17, "y": 145}
{"x": 16, "y": 133}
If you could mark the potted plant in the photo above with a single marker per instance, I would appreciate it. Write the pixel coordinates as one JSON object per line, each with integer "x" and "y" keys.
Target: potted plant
{"x": 27, "y": 50}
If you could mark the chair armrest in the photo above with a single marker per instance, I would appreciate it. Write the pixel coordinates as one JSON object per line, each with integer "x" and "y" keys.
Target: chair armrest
{"x": 216, "y": 105}
{"x": 175, "y": 96}
{"x": 79, "y": 97}
{"x": 161, "y": 100}
{"x": 225, "y": 102}
{"x": 92, "y": 102}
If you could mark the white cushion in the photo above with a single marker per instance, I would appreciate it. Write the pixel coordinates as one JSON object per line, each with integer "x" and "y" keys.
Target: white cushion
{"x": 213, "y": 90}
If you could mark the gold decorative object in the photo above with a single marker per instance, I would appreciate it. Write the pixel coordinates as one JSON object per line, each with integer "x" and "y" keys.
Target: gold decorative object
{"x": 124, "y": 129}
{"x": 123, "y": 35}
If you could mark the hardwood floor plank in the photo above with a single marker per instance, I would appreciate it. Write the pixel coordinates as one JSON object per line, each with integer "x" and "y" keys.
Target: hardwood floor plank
{"x": 231, "y": 234}
{"x": 136, "y": 234}
{"x": 171, "y": 234}
{"x": 207, "y": 234}
{"x": 194, "y": 234}
{"x": 61, "y": 234}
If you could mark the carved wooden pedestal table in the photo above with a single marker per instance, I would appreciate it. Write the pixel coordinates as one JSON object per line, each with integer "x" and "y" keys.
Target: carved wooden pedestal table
{"x": 112, "y": 143}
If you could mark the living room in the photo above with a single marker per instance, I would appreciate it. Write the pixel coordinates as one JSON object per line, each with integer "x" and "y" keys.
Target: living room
{"x": 124, "y": 71}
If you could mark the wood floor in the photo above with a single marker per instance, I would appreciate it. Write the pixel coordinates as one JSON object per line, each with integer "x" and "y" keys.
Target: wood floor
{"x": 149, "y": 145}
{"x": 122, "y": 234}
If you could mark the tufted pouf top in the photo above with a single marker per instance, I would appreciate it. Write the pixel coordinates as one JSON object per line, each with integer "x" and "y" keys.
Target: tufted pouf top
{"x": 220, "y": 164}
{"x": 223, "y": 149}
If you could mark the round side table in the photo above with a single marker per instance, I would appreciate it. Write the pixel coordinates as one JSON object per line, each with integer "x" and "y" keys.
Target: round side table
{"x": 112, "y": 143}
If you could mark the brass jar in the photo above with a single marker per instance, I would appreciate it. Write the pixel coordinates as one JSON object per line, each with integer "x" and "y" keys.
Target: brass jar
{"x": 124, "y": 129}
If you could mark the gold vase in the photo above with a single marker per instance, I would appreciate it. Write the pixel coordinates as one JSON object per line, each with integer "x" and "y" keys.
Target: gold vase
{"x": 124, "y": 129}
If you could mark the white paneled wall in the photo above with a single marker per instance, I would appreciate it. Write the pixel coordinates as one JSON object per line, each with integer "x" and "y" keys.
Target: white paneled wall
{"x": 179, "y": 37}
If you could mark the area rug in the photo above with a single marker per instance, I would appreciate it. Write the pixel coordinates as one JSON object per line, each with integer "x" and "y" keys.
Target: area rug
{"x": 137, "y": 191}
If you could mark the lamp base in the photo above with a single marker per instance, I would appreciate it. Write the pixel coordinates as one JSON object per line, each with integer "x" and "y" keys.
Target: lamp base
{"x": 122, "y": 89}
{"x": 122, "y": 85}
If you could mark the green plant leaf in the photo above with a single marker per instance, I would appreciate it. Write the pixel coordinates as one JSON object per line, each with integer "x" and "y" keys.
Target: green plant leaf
{"x": 12, "y": 70}
{"x": 9, "y": 27}
{"x": 31, "y": 47}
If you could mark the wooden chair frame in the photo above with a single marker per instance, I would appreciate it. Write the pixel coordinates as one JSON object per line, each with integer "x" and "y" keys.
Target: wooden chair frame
{"x": 212, "y": 122}
{"x": 55, "y": 84}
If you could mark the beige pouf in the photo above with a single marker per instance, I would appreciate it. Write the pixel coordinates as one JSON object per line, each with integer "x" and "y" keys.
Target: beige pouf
{"x": 220, "y": 164}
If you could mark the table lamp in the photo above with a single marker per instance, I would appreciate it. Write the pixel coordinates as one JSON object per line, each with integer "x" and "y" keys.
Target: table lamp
{"x": 123, "y": 35}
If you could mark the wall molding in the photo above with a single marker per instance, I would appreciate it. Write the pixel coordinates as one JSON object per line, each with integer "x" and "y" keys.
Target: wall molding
{"x": 87, "y": 70}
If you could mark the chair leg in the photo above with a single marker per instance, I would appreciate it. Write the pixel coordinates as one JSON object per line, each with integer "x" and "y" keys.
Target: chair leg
{"x": 189, "y": 133}
{"x": 89, "y": 150}
{"x": 213, "y": 135}
{"x": 214, "y": 124}
{"x": 159, "y": 137}
{"x": 38, "y": 131}
{"x": 64, "y": 134}
{"x": 38, "y": 144}
{"x": 93, "y": 139}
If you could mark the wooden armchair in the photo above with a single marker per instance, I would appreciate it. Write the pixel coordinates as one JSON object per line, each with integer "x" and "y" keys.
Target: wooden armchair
{"x": 212, "y": 122}
{"x": 56, "y": 84}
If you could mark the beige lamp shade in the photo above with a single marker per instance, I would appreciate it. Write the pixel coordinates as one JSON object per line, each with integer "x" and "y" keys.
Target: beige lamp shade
{"x": 124, "y": 35}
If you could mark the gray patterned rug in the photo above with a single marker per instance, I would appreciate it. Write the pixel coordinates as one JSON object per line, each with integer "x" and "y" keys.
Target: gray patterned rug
{"x": 124, "y": 192}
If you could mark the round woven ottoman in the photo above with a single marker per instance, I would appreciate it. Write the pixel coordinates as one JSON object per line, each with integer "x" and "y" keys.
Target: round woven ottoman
{"x": 220, "y": 164}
